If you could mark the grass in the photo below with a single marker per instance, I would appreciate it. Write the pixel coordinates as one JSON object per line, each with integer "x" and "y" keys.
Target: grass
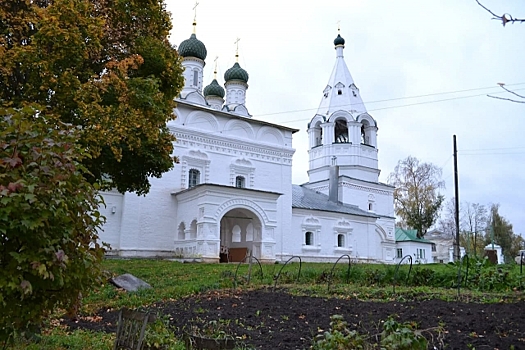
{"x": 172, "y": 280}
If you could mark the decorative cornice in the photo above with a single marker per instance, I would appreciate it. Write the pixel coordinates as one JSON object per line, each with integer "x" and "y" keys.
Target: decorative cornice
{"x": 271, "y": 154}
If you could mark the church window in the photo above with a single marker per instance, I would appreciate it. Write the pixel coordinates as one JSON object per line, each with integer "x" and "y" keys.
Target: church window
{"x": 365, "y": 133}
{"x": 339, "y": 92}
{"x": 433, "y": 247}
{"x": 181, "y": 234}
{"x": 370, "y": 206}
{"x": 195, "y": 78}
{"x": 240, "y": 182}
{"x": 309, "y": 238}
{"x": 341, "y": 131}
{"x": 340, "y": 240}
{"x": 399, "y": 253}
{"x": 318, "y": 135}
{"x": 194, "y": 178}
{"x": 353, "y": 92}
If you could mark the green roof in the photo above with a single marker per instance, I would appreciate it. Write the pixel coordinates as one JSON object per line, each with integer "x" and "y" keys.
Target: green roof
{"x": 236, "y": 73}
{"x": 339, "y": 40}
{"x": 214, "y": 89}
{"x": 403, "y": 235}
{"x": 193, "y": 47}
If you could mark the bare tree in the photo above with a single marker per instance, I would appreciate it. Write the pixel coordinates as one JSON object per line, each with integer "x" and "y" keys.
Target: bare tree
{"x": 447, "y": 221}
{"x": 504, "y": 18}
{"x": 475, "y": 221}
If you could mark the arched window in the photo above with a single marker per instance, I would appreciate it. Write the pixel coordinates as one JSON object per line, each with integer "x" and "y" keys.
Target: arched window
{"x": 340, "y": 240}
{"x": 365, "y": 132}
{"x": 309, "y": 238}
{"x": 341, "y": 131}
{"x": 240, "y": 182}
{"x": 181, "y": 233}
{"x": 194, "y": 178}
{"x": 318, "y": 135}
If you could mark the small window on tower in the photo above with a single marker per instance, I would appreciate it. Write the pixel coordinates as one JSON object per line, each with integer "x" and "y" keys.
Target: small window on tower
{"x": 339, "y": 92}
{"x": 353, "y": 92}
{"x": 195, "y": 78}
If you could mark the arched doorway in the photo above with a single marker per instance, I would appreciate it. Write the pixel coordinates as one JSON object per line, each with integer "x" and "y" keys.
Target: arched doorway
{"x": 240, "y": 231}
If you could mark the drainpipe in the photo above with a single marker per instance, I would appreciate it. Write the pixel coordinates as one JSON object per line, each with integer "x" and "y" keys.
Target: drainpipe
{"x": 333, "y": 182}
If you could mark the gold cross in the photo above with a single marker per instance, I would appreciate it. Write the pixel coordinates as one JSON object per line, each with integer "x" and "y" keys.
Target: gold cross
{"x": 237, "y": 50}
{"x": 215, "y": 71}
{"x": 195, "y": 9}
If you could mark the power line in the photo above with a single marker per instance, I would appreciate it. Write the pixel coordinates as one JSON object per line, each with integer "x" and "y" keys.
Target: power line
{"x": 400, "y": 98}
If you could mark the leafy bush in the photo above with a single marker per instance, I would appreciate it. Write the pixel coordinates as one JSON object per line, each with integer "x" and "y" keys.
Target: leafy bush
{"x": 48, "y": 220}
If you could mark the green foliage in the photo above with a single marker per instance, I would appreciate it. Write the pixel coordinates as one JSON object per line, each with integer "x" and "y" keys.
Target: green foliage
{"x": 395, "y": 336}
{"x": 48, "y": 219}
{"x": 339, "y": 337}
{"x": 416, "y": 194}
{"x": 105, "y": 66}
{"x": 401, "y": 336}
{"x": 159, "y": 335}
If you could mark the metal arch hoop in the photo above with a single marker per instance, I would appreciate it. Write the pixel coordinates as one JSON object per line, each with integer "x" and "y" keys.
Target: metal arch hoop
{"x": 276, "y": 278}
{"x": 409, "y": 257}
{"x": 333, "y": 267}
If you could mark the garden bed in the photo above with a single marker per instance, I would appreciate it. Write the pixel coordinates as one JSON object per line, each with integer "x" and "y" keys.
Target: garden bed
{"x": 271, "y": 320}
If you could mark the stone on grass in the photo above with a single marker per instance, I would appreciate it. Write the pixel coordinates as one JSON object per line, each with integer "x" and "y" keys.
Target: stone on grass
{"x": 129, "y": 282}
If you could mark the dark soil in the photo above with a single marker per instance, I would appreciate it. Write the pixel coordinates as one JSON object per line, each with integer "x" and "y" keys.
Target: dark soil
{"x": 278, "y": 320}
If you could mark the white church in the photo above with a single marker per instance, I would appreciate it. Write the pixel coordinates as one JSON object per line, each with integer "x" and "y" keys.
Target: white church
{"x": 232, "y": 194}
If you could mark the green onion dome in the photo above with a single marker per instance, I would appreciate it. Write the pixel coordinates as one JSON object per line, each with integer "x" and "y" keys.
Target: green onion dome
{"x": 214, "y": 89}
{"x": 339, "y": 40}
{"x": 193, "y": 47}
{"x": 236, "y": 73}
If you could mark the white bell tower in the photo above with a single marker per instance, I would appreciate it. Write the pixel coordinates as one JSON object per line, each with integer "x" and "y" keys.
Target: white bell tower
{"x": 342, "y": 128}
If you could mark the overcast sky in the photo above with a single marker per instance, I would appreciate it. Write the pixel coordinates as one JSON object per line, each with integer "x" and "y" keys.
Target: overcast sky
{"x": 423, "y": 68}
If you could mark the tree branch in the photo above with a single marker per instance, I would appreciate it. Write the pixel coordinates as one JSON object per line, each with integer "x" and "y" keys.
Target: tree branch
{"x": 505, "y": 18}
{"x": 506, "y": 99}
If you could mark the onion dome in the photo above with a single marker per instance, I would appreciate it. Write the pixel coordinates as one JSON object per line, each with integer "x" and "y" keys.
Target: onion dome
{"x": 236, "y": 73}
{"x": 339, "y": 40}
{"x": 193, "y": 47}
{"x": 214, "y": 89}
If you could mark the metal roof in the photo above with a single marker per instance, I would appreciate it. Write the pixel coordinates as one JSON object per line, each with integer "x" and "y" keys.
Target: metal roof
{"x": 305, "y": 198}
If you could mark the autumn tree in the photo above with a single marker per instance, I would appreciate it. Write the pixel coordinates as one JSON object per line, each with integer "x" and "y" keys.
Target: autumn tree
{"x": 416, "y": 194}
{"x": 48, "y": 219}
{"x": 103, "y": 65}
{"x": 86, "y": 90}
{"x": 502, "y": 234}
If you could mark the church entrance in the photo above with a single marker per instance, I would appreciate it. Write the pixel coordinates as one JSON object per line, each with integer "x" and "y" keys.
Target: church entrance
{"x": 240, "y": 235}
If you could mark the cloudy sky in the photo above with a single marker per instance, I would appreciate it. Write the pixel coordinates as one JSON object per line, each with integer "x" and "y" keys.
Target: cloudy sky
{"x": 424, "y": 69}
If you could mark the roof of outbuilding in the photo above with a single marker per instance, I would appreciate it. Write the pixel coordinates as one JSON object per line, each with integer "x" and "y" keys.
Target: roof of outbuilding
{"x": 305, "y": 198}
{"x": 403, "y": 235}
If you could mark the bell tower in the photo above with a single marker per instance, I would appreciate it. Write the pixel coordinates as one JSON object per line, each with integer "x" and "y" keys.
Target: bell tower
{"x": 342, "y": 128}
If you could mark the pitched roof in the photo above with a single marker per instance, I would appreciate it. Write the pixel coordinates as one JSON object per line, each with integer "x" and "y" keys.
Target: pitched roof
{"x": 403, "y": 235}
{"x": 305, "y": 198}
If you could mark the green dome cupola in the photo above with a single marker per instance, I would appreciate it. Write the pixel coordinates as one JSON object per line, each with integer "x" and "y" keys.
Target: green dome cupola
{"x": 236, "y": 73}
{"x": 214, "y": 89}
{"x": 193, "y": 47}
{"x": 339, "y": 40}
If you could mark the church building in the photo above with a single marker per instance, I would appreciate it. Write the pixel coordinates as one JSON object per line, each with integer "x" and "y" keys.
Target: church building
{"x": 232, "y": 191}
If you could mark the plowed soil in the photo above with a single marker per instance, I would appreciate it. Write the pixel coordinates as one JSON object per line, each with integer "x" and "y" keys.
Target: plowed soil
{"x": 278, "y": 320}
